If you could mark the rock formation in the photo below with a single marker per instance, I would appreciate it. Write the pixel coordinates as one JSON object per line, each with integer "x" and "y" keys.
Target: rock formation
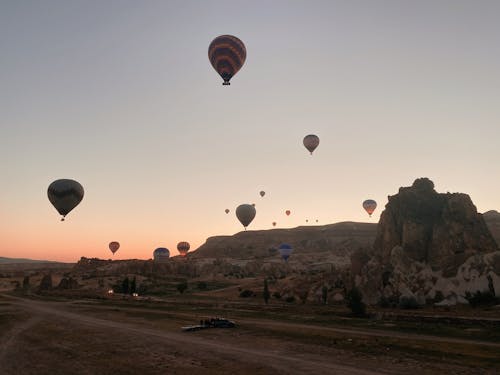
{"x": 428, "y": 243}
{"x": 441, "y": 230}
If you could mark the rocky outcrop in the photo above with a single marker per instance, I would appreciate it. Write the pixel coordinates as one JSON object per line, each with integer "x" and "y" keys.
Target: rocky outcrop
{"x": 429, "y": 247}
{"x": 441, "y": 230}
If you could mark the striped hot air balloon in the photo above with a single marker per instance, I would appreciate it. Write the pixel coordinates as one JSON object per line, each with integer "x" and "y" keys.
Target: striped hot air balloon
{"x": 161, "y": 255}
{"x": 285, "y": 251}
{"x": 227, "y": 55}
{"x": 369, "y": 205}
{"x": 183, "y": 248}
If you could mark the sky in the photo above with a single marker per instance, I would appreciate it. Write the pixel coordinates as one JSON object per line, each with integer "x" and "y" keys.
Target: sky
{"x": 120, "y": 96}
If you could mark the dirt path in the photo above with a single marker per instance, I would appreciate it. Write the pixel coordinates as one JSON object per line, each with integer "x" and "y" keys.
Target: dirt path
{"x": 9, "y": 339}
{"x": 291, "y": 363}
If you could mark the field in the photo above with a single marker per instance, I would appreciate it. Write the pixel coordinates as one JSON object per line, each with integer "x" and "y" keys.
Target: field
{"x": 56, "y": 335}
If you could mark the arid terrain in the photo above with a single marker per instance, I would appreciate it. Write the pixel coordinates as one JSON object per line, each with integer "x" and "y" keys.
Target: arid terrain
{"x": 123, "y": 335}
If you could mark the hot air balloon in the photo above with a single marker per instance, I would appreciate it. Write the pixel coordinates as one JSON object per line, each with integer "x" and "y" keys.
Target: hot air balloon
{"x": 311, "y": 141}
{"x": 287, "y": 212}
{"x": 227, "y": 210}
{"x": 245, "y": 214}
{"x": 114, "y": 246}
{"x": 65, "y": 195}
{"x": 161, "y": 255}
{"x": 307, "y": 220}
{"x": 227, "y": 55}
{"x": 285, "y": 251}
{"x": 274, "y": 223}
{"x": 262, "y": 193}
{"x": 183, "y": 248}
{"x": 369, "y": 205}
{"x": 253, "y": 204}
{"x": 316, "y": 220}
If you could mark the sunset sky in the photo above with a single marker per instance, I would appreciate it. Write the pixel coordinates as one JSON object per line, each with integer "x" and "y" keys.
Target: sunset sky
{"x": 120, "y": 96}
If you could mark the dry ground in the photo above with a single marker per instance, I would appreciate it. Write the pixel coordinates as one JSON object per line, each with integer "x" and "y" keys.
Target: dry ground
{"x": 125, "y": 337}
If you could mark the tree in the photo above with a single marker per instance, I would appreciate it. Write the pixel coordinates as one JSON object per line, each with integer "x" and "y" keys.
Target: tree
{"x": 133, "y": 286}
{"x": 181, "y": 287}
{"x": 355, "y": 302}
{"x": 125, "y": 285}
{"x": 26, "y": 282}
{"x": 266, "y": 293}
{"x": 324, "y": 294}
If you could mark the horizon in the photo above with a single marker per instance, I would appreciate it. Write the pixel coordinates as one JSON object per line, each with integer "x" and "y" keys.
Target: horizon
{"x": 121, "y": 97}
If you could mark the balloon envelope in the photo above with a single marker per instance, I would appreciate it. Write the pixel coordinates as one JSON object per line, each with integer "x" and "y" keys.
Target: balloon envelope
{"x": 262, "y": 193}
{"x": 287, "y": 212}
{"x": 369, "y": 205}
{"x": 285, "y": 251}
{"x": 183, "y": 248}
{"x": 245, "y": 214}
{"x": 311, "y": 141}
{"x": 65, "y": 195}
{"x": 226, "y": 210}
{"x": 161, "y": 254}
{"x": 227, "y": 55}
{"x": 114, "y": 246}
{"x": 274, "y": 223}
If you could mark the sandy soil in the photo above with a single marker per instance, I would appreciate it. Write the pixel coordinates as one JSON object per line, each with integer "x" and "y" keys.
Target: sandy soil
{"x": 41, "y": 337}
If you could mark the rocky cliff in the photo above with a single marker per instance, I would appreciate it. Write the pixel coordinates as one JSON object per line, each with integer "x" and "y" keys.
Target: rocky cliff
{"x": 441, "y": 230}
{"x": 427, "y": 243}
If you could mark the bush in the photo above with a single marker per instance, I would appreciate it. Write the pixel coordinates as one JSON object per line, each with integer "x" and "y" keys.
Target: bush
{"x": 290, "y": 299}
{"x": 481, "y": 298}
{"x": 277, "y": 295}
{"x": 202, "y": 285}
{"x": 355, "y": 302}
{"x": 408, "y": 303}
{"x": 385, "y": 302}
{"x": 181, "y": 287}
{"x": 246, "y": 293}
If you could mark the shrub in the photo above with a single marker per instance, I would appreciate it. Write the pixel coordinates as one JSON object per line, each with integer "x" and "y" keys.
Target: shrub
{"x": 266, "y": 294}
{"x": 481, "y": 298}
{"x": 277, "y": 295}
{"x": 385, "y": 302}
{"x": 246, "y": 293}
{"x": 290, "y": 299}
{"x": 202, "y": 285}
{"x": 408, "y": 303}
{"x": 181, "y": 287}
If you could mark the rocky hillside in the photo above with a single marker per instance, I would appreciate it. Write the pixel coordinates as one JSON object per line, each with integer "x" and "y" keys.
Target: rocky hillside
{"x": 339, "y": 239}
